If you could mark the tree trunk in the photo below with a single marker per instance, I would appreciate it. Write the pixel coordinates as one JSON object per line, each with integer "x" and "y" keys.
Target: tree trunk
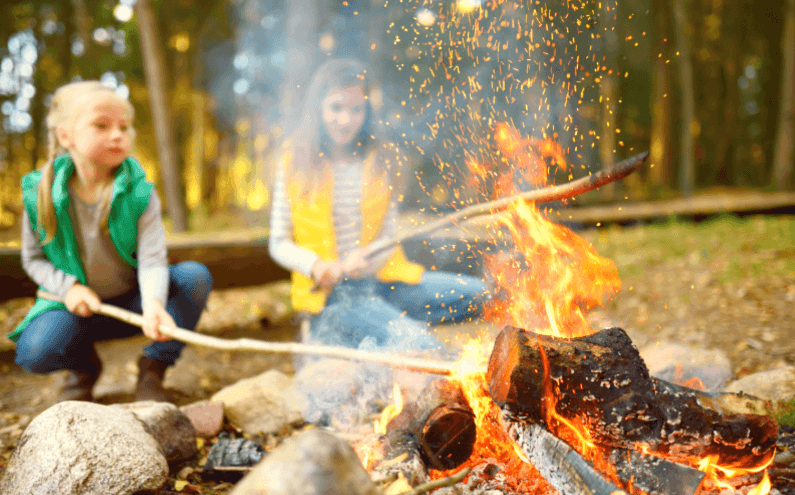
{"x": 161, "y": 114}
{"x": 687, "y": 166}
{"x": 301, "y": 35}
{"x": 84, "y": 25}
{"x": 784, "y": 157}
{"x": 608, "y": 90}
{"x": 660, "y": 153}
{"x": 732, "y": 61}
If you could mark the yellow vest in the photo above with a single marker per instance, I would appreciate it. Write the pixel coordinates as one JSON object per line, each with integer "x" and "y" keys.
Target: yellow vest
{"x": 313, "y": 229}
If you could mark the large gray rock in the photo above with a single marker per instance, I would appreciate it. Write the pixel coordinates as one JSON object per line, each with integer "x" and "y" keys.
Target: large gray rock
{"x": 82, "y": 448}
{"x": 262, "y": 404}
{"x": 677, "y": 363}
{"x": 776, "y": 384}
{"x": 170, "y": 426}
{"x": 314, "y": 462}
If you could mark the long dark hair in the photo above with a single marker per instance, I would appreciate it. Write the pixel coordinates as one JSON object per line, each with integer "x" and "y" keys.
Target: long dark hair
{"x": 309, "y": 142}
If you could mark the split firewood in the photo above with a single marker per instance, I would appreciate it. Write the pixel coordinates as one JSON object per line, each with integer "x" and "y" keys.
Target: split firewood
{"x": 601, "y": 381}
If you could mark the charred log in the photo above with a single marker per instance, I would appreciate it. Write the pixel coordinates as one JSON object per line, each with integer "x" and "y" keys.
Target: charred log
{"x": 438, "y": 428}
{"x": 438, "y": 425}
{"x": 444, "y": 425}
{"x": 600, "y": 380}
{"x": 654, "y": 475}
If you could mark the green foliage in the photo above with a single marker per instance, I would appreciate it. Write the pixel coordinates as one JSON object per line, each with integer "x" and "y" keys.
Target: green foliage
{"x": 786, "y": 413}
{"x": 734, "y": 248}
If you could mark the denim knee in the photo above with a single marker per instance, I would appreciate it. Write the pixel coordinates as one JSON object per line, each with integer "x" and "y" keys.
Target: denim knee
{"x": 193, "y": 278}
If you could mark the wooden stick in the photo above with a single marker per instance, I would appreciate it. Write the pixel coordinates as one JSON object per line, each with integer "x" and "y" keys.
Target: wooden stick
{"x": 552, "y": 193}
{"x": 433, "y": 485}
{"x": 190, "y": 337}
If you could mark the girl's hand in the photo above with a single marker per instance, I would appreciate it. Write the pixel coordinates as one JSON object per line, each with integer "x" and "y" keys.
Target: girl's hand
{"x": 82, "y": 300}
{"x": 154, "y": 316}
{"x": 327, "y": 273}
{"x": 355, "y": 264}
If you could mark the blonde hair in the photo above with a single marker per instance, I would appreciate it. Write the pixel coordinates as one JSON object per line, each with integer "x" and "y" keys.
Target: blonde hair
{"x": 67, "y": 103}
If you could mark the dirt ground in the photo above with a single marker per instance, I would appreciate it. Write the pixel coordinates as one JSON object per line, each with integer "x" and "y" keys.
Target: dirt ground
{"x": 728, "y": 284}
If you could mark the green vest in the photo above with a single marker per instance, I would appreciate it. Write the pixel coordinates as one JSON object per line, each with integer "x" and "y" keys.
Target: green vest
{"x": 130, "y": 198}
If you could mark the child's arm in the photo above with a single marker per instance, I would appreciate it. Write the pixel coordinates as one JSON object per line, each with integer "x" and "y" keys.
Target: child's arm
{"x": 281, "y": 246}
{"x": 153, "y": 269}
{"x": 40, "y": 269}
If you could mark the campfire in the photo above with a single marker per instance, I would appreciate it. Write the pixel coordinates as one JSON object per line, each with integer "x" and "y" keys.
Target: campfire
{"x": 553, "y": 403}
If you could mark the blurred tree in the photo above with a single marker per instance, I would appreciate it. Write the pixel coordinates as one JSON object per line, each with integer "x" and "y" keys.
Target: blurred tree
{"x": 609, "y": 88}
{"x": 687, "y": 165}
{"x": 151, "y": 49}
{"x": 784, "y": 158}
{"x": 661, "y": 145}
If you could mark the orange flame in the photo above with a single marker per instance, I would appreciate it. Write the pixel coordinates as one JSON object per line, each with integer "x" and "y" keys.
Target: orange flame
{"x": 717, "y": 475}
{"x": 558, "y": 276}
{"x": 389, "y": 411}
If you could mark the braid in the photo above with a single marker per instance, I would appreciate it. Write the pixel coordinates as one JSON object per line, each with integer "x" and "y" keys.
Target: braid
{"x": 47, "y": 221}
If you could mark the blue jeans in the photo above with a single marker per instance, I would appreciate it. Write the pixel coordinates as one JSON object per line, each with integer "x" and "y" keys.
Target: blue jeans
{"x": 58, "y": 339}
{"x": 366, "y": 312}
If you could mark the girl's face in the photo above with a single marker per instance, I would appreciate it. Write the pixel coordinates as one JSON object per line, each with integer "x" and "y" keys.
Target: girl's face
{"x": 343, "y": 113}
{"x": 101, "y": 134}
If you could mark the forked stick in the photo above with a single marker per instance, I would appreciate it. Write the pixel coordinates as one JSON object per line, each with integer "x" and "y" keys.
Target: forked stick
{"x": 187, "y": 336}
{"x": 553, "y": 193}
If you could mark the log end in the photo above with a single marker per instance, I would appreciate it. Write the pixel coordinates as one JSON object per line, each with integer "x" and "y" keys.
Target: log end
{"x": 505, "y": 357}
{"x": 448, "y": 438}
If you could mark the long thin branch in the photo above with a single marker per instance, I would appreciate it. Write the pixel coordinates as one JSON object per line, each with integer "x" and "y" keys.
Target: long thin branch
{"x": 187, "y": 336}
{"x": 433, "y": 485}
{"x": 547, "y": 194}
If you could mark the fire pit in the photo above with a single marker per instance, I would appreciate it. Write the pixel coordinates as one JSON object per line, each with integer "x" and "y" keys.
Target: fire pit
{"x": 582, "y": 416}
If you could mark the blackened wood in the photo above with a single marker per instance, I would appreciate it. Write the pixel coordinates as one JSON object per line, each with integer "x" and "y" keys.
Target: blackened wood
{"x": 444, "y": 425}
{"x": 602, "y": 380}
{"x": 562, "y": 466}
{"x": 654, "y": 475}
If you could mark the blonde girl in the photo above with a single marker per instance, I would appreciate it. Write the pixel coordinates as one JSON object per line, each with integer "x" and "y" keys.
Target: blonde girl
{"x": 93, "y": 232}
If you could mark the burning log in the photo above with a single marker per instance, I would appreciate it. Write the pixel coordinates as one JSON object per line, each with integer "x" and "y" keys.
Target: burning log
{"x": 438, "y": 425}
{"x": 560, "y": 464}
{"x": 444, "y": 425}
{"x": 601, "y": 384}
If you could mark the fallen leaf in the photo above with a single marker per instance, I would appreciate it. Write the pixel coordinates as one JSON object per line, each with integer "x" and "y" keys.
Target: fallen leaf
{"x": 180, "y": 485}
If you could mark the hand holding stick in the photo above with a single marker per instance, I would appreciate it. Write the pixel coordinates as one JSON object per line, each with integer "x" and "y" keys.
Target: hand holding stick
{"x": 552, "y": 193}
{"x": 187, "y": 336}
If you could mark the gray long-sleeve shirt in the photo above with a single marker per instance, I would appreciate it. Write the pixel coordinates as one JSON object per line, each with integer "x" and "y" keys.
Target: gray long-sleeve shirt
{"x": 347, "y": 217}
{"x": 107, "y": 273}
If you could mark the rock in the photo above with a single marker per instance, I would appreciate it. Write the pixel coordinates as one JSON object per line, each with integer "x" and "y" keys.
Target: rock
{"x": 84, "y": 448}
{"x": 207, "y": 417}
{"x": 677, "y": 363}
{"x": 776, "y": 384}
{"x": 313, "y": 462}
{"x": 262, "y": 404}
{"x": 170, "y": 426}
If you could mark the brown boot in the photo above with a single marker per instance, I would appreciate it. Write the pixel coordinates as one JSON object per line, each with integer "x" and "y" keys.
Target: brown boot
{"x": 150, "y": 380}
{"x": 78, "y": 383}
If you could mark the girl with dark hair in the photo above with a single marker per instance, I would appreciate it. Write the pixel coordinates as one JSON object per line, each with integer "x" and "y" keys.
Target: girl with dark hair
{"x": 333, "y": 195}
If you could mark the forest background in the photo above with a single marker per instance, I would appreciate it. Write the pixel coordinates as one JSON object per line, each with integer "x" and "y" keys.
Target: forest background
{"x": 706, "y": 86}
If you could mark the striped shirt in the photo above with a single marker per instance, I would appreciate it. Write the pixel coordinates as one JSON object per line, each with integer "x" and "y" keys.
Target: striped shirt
{"x": 347, "y": 218}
